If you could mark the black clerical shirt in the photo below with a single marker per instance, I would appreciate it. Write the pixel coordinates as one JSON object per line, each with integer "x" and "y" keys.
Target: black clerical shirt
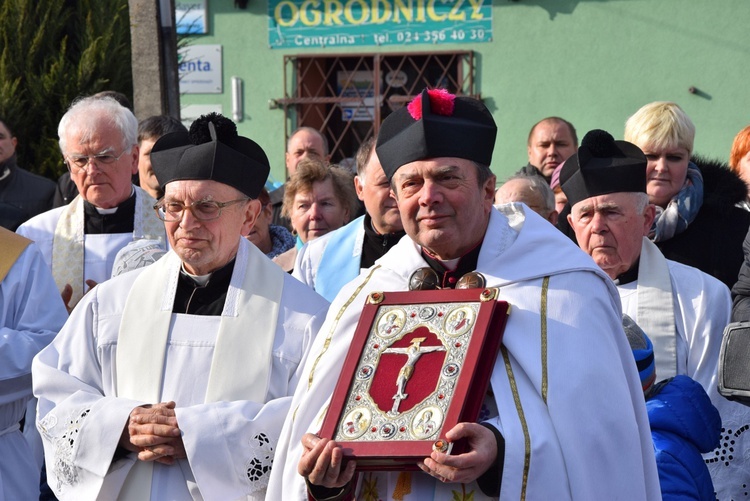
{"x": 629, "y": 276}
{"x": 376, "y": 245}
{"x": 120, "y": 221}
{"x": 206, "y": 299}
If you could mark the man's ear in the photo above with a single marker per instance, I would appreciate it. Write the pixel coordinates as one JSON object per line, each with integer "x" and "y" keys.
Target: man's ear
{"x": 358, "y": 187}
{"x": 287, "y": 158}
{"x": 134, "y": 164}
{"x": 489, "y": 189}
{"x": 649, "y": 214}
{"x": 553, "y": 217}
{"x": 252, "y": 211}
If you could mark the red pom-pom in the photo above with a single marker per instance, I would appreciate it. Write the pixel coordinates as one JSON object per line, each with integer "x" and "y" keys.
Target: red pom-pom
{"x": 415, "y": 108}
{"x": 441, "y": 103}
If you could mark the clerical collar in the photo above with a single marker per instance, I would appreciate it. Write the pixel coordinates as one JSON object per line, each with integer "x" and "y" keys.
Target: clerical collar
{"x": 201, "y": 280}
{"x": 466, "y": 264}
{"x": 106, "y": 221}
{"x": 375, "y": 244}
{"x": 196, "y": 297}
{"x": 629, "y": 276}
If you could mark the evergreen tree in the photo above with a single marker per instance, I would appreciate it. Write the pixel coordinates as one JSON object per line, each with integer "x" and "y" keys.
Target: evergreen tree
{"x": 52, "y": 52}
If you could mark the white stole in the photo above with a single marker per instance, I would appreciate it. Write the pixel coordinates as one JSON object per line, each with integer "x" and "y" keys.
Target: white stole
{"x": 69, "y": 240}
{"x": 242, "y": 359}
{"x": 656, "y": 308}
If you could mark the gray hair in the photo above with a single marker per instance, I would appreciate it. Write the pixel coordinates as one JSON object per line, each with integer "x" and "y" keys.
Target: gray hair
{"x": 537, "y": 184}
{"x": 364, "y": 152}
{"x": 641, "y": 202}
{"x": 85, "y": 113}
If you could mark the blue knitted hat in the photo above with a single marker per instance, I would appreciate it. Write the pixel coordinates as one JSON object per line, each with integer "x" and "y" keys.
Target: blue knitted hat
{"x": 643, "y": 351}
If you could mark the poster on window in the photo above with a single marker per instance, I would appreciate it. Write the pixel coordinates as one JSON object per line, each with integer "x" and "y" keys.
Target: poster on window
{"x": 345, "y": 23}
{"x": 358, "y": 85}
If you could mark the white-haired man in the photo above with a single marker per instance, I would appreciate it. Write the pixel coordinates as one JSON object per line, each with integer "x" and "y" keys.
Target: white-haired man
{"x": 99, "y": 143}
{"x": 683, "y": 310}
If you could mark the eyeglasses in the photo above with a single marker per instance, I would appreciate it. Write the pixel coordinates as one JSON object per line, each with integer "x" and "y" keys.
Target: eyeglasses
{"x": 203, "y": 210}
{"x": 80, "y": 162}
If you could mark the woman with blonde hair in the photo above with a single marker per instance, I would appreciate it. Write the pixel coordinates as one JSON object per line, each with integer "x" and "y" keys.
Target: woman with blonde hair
{"x": 697, "y": 222}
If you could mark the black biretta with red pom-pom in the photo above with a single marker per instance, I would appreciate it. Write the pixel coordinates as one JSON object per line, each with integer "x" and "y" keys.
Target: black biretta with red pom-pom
{"x": 601, "y": 166}
{"x": 211, "y": 151}
{"x": 436, "y": 124}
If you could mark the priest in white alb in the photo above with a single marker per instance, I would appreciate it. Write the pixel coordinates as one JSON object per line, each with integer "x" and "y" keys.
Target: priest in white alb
{"x": 170, "y": 381}
{"x": 79, "y": 241}
{"x": 565, "y": 417}
{"x": 682, "y": 309}
{"x": 31, "y": 314}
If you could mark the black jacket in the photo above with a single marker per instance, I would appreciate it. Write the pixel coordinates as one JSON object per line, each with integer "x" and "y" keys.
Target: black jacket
{"x": 65, "y": 190}
{"x": 23, "y": 195}
{"x": 531, "y": 170}
{"x": 713, "y": 241}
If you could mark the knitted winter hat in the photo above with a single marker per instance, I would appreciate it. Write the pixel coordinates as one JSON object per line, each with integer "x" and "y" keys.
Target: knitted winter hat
{"x": 643, "y": 351}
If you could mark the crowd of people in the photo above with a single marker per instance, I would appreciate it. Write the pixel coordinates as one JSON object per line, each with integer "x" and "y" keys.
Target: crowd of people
{"x": 173, "y": 330}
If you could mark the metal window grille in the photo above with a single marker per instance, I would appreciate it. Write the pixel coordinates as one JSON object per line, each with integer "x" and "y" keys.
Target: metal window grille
{"x": 347, "y": 96}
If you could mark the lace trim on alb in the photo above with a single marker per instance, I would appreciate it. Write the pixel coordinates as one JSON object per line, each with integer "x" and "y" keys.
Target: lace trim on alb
{"x": 63, "y": 467}
{"x": 258, "y": 467}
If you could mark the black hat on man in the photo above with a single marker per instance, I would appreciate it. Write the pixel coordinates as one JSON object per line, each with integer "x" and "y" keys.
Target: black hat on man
{"x": 601, "y": 166}
{"x": 436, "y": 124}
{"x": 212, "y": 150}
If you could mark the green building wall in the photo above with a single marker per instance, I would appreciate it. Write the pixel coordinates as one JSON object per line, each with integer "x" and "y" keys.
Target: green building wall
{"x": 593, "y": 62}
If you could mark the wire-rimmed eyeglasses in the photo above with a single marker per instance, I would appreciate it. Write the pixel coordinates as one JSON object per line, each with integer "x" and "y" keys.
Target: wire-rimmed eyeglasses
{"x": 81, "y": 162}
{"x": 203, "y": 210}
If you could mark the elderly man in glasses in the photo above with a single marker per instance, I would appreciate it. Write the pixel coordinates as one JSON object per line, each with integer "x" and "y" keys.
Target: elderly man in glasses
{"x": 171, "y": 382}
{"x": 98, "y": 140}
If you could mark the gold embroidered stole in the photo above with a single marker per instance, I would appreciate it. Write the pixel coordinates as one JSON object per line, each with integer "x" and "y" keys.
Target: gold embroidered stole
{"x": 11, "y": 248}
{"x": 68, "y": 246}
